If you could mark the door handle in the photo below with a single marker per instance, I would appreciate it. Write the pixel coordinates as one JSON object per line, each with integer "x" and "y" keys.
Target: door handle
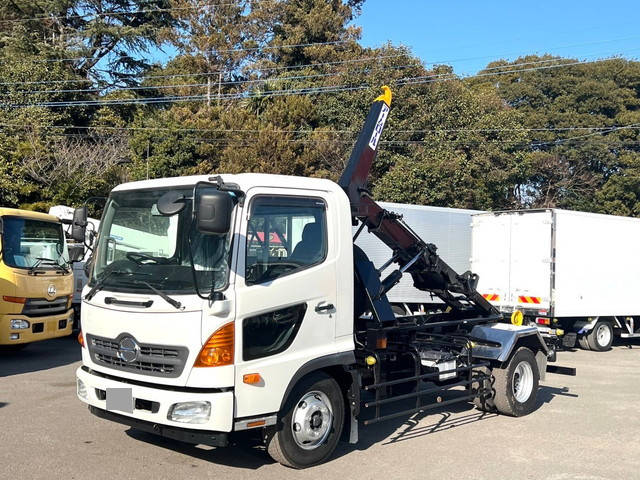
{"x": 324, "y": 308}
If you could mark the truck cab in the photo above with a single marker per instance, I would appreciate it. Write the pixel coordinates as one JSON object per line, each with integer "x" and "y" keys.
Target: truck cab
{"x": 36, "y": 284}
{"x": 287, "y": 256}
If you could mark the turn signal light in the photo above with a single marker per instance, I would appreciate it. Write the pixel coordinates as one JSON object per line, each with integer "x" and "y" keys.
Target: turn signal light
{"x": 251, "y": 378}
{"x": 7, "y": 298}
{"x": 81, "y": 339}
{"x": 218, "y": 350}
{"x": 543, "y": 321}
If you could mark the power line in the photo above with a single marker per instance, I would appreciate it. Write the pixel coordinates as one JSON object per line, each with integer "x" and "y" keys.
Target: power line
{"x": 114, "y": 13}
{"x": 218, "y": 72}
{"x": 202, "y": 85}
{"x": 229, "y": 50}
{"x": 603, "y": 129}
{"x": 420, "y": 80}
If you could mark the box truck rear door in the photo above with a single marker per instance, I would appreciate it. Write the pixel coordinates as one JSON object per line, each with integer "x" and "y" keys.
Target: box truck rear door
{"x": 490, "y": 255}
{"x": 531, "y": 257}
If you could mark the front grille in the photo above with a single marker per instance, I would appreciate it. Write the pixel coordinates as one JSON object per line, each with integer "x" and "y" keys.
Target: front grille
{"x": 154, "y": 360}
{"x": 38, "y": 307}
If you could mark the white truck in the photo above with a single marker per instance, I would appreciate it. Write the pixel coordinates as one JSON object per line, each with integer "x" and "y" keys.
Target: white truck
{"x": 573, "y": 274}
{"x": 78, "y": 254}
{"x": 449, "y": 228}
{"x": 249, "y": 307}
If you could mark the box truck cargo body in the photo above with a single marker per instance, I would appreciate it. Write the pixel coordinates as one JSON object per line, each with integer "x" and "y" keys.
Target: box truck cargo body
{"x": 574, "y": 274}
{"x": 448, "y": 228}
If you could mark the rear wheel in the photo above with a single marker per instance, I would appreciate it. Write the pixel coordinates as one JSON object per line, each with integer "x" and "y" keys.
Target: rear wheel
{"x": 601, "y": 337}
{"x": 310, "y": 424}
{"x": 515, "y": 386}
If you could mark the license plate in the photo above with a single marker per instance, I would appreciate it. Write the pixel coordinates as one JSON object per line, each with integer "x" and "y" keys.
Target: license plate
{"x": 120, "y": 399}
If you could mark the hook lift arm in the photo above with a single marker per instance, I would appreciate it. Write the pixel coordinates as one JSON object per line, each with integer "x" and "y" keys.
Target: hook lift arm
{"x": 412, "y": 254}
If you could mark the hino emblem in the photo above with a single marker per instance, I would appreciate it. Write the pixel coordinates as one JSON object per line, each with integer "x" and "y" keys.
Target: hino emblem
{"x": 51, "y": 290}
{"x": 128, "y": 349}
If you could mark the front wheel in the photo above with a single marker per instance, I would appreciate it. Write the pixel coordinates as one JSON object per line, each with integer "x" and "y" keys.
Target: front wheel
{"x": 515, "y": 386}
{"x": 310, "y": 423}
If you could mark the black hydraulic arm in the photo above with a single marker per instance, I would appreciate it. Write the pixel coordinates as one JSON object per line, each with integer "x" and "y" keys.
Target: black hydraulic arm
{"x": 413, "y": 255}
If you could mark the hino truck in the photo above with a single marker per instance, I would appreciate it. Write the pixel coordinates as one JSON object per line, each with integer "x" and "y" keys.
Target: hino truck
{"x": 36, "y": 283}
{"x": 228, "y": 303}
{"x": 541, "y": 262}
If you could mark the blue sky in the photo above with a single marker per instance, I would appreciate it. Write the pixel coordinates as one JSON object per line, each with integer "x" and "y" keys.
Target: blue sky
{"x": 468, "y": 34}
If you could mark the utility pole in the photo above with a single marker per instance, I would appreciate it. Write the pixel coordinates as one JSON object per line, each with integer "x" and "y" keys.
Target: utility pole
{"x": 148, "y": 147}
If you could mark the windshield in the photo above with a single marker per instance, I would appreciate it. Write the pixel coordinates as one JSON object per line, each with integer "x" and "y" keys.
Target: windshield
{"x": 27, "y": 243}
{"x": 137, "y": 244}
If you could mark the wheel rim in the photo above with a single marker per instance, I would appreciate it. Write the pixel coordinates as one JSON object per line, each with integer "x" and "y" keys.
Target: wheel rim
{"x": 603, "y": 335}
{"x": 522, "y": 382}
{"x": 312, "y": 420}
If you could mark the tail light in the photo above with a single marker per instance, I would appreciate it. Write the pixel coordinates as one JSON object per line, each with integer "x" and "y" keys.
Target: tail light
{"x": 218, "y": 350}
{"x": 543, "y": 321}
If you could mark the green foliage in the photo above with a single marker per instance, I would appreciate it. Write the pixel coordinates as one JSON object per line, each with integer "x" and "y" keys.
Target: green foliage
{"x": 522, "y": 138}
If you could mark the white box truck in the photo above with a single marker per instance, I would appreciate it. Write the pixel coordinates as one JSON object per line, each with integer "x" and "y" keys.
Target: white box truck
{"x": 574, "y": 274}
{"x": 448, "y": 228}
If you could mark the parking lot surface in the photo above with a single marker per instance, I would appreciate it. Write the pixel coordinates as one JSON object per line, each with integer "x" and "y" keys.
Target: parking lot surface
{"x": 586, "y": 427}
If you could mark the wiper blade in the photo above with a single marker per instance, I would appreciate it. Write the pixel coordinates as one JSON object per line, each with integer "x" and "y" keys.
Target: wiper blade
{"x": 174, "y": 303}
{"x": 54, "y": 263}
{"x": 100, "y": 283}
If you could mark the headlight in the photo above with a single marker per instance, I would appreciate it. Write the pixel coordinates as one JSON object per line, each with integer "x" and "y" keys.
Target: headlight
{"x": 19, "y": 324}
{"x": 190, "y": 412}
{"x": 81, "y": 389}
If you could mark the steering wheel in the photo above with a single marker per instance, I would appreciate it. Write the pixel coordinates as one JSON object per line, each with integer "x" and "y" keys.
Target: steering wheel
{"x": 276, "y": 269}
{"x": 140, "y": 257}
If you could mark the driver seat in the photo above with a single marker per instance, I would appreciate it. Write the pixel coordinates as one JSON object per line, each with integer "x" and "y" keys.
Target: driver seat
{"x": 309, "y": 250}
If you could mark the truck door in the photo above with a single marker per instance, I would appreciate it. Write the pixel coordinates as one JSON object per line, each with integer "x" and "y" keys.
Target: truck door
{"x": 531, "y": 260}
{"x": 490, "y": 256}
{"x": 285, "y": 291}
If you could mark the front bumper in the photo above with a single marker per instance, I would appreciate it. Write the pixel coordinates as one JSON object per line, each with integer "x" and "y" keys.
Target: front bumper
{"x": 197, "y": 437}
{"x": 40, "y": 328}
{"x": 153, "y": 402}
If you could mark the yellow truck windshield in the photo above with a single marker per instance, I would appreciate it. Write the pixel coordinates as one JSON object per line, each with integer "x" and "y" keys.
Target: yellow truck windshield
{"x": 28, "y": 243}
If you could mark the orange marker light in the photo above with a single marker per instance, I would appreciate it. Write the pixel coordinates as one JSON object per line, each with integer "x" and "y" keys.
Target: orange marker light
{"x": 81, "y": 339}
{"x": 251, "y": 378}
{"x": 257, "y": 423}
{"x": 218, "y": 350}
{"x": 7, "y": 298}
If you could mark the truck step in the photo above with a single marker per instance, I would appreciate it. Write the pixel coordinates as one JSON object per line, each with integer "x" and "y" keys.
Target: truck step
{"x": 630, "y": 335}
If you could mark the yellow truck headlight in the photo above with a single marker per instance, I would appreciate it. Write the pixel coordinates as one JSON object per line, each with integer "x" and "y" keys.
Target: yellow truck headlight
{"x": 19, "y": 324}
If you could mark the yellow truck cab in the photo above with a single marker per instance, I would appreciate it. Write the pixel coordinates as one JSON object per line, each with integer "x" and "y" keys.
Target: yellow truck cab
{"x": 36, "y": 283}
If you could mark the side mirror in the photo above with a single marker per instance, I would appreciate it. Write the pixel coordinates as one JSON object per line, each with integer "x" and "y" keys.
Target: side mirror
{"x": 213, "y": 212}
{"x": 76, "y": 252}
{"x": 79, "y": 225}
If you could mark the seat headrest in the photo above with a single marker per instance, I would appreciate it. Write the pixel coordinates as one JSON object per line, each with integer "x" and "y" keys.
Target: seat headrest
{"x": 310, "y": 231}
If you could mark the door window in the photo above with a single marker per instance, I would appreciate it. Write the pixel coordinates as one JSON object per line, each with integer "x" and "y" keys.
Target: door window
{"x": 284, "y": 235}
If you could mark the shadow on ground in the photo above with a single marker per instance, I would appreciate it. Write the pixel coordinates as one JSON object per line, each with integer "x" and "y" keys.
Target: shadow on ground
{"x": 248, "y": 453}
{"x": 38, "y": 356}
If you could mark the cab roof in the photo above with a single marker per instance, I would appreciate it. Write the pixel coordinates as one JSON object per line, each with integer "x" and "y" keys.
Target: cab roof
{"x": 244, "y": 180}
{"x": 15, "y": 212}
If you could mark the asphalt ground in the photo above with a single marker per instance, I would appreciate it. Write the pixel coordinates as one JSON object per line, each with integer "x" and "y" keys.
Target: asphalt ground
{"x": 585, "y": 427}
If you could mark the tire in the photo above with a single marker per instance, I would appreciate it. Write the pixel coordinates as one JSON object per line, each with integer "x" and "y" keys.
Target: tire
{"x": 297, "y": 443}
{"x": 515, "y": 386}
{"x": 600, "y": 337}
{"x": 584, "y": 344}
{"x": 484, "y": 403}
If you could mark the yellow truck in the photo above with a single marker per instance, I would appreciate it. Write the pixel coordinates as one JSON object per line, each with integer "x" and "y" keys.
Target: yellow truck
{"x": 36, "y": 282}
